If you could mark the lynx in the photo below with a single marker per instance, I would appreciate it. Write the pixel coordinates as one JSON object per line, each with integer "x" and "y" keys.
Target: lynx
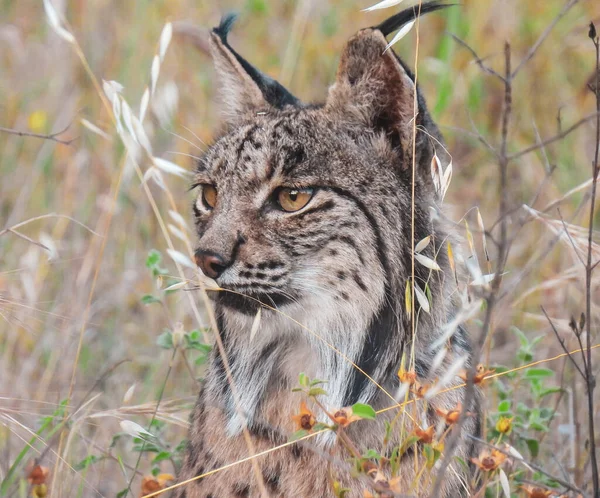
{"x": 304, "y": 211}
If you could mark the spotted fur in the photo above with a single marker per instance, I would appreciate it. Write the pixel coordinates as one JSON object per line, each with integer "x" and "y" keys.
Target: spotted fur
{"x": 339, "y": 266}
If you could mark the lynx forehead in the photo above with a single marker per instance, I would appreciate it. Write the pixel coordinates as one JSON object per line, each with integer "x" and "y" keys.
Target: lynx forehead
{"x": 305, "y": 212}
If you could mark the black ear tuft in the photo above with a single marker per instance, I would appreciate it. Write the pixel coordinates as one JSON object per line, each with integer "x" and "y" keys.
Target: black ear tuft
{"x": 225, "y": 26}
{"x": 273, "y": 92}
{"x": 404, "y": 17}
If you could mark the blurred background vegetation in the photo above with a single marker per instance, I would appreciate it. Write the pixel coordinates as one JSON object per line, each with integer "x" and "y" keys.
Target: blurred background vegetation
{"x": 44, "y": 292}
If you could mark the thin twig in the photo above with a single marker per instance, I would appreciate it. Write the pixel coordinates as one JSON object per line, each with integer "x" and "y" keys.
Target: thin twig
{"x": 24, "y": 237}
{"x": 554, "y": 138}
{"x": 51, "y": 136}
{"x": 543, "y": 36}
{"x": 49, "y": 215}
{"x": 562, "y": 220}
{"x": 492, "y": 297}
{"x": 561, "y": 341}
{"x": 590, "y": 379}
{"x": 478, "y": 60}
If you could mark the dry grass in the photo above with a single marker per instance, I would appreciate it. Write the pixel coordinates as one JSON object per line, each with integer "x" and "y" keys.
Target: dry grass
{"x": 48, "y": 269}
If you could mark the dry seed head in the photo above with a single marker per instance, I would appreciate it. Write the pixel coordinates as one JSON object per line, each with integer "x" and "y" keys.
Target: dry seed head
{"x": 165, "y": 40}
{"x": 180, "y": 258}
{"x": 436, "y": 174}
{"x": 178, "y": 334}
{"x": 446, "y": 179}
{"x": 422, "y": 298}
{"x": 55, "y": 22}
{"x": 170, "y": 167}
{"x": 144, "y": 104}
{"x": 423, "y": 243}
{"x": 402, "y": 32}
{"x": 382, "y": 5}
{"x": 178, "y": 233}
{"x": 427, "y": 262}
{"x": 154, "y": 72}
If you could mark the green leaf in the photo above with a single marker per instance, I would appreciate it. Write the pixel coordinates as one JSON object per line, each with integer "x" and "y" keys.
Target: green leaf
{"x": 372, "y": 455}
{"x": 298, "y": 435}
{"x": 504, "y": 406}
{"x": 550, "y": 390}
{"x": 395, "y": 460}
{"x": 303, "y": 379}
{"x": 153, "y": 263}
{"x": 201, "y": 360}
{"x": 521, "y": 336}
{"x": 429, "y": 455}
{"x": 317, "y": 391}
{"x": 163, "y": 455}
{"x": 153, "y": 259}
{"x": 165, "y": 340}
{"x": 192, "y": 343}
{"x": 319, "y": 426}
{"x": 538, "y": 427}
{"x": 363, "y": 411}
{"x": 87, "y": 461}
{"x": 149, "y": 299}
{"x": 534, "y": 447}
{"x": 538, "y": 373}
{"x": 115, "y": 440}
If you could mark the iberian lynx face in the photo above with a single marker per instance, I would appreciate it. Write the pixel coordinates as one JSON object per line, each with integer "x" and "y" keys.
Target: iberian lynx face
{"x": 300, "y": 204}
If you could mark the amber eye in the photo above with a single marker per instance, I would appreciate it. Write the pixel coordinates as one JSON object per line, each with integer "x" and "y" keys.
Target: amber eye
{"x": 209, "y": 196}
{"x": 294, "y": 199}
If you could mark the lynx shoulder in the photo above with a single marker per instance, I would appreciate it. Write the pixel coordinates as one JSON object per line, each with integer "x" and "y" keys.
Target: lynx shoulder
{"x": 305, "y": 211}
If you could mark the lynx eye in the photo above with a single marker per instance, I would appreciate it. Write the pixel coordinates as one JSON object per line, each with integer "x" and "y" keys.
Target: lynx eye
{"x": 209, "y": 195}
{"x": 293, "y": 199}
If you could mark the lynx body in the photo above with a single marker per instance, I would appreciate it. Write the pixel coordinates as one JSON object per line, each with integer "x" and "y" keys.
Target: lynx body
{"x": 307, "y": 209}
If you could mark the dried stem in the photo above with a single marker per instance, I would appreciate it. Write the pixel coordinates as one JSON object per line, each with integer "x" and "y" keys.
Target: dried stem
{"x": 561, "y": 341}
{"x": 492, "y": 297}
{"x": 555, "y": 138}
{"x": 543, "y": 36}
{"x": 51, "y": 136}
{"x": 589, "y": 378}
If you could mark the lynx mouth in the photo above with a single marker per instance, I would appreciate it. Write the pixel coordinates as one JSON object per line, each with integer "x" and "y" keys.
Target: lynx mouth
{"x": 249, "y": 302}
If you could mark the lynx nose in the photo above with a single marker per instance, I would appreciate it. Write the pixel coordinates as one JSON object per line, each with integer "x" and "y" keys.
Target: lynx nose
{"x": 211, "y": 264}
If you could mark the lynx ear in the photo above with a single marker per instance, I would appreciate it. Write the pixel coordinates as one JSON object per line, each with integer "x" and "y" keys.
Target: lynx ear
{"x": 243, "y": 88}
{"x": 373, "y": 86}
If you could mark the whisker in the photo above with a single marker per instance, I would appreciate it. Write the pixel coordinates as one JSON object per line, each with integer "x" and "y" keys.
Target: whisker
{"x": 197, "y": 158}
{"x": 185, "y": 139}
{"x": 195, "y": 136}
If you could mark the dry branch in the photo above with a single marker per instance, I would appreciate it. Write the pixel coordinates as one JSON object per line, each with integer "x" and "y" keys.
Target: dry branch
{"x": 51, "y": 136}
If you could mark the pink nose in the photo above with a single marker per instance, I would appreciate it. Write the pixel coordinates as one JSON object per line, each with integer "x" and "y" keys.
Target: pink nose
{"x": 211, "y": 264}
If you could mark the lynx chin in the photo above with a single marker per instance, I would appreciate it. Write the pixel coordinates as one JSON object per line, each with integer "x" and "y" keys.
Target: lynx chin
{"x": 306, "y": 208}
